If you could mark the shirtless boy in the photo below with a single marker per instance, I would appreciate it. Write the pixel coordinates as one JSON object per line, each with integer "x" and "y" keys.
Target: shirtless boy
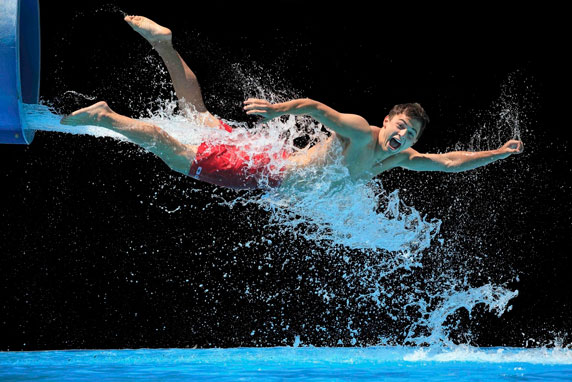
{"x": 367, "y": 150}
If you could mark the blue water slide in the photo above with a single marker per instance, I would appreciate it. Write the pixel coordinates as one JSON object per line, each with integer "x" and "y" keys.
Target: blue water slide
{"x": 19, "y": 67}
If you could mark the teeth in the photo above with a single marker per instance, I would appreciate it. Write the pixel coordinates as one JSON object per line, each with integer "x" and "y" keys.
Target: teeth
{"x": 396, "y": 140}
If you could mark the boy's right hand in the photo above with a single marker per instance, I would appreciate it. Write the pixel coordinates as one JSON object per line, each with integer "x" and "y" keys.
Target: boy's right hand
{"x": 261, "y": 107}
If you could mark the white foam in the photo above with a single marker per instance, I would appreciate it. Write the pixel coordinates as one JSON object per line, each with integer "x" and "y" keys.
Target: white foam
{"x": 464, "y": 353}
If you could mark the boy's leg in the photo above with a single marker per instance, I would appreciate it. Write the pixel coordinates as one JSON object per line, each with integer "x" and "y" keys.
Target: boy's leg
{"x": 184, "y": 80}
{"x": 177, "y": 155}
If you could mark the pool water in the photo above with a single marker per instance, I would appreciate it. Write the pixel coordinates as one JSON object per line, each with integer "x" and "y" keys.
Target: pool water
{"x": 290, "y": 363}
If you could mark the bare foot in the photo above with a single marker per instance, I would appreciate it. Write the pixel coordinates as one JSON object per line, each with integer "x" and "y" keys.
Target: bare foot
{"x": 150, "y": 30}
{"x": 88, "y": 116}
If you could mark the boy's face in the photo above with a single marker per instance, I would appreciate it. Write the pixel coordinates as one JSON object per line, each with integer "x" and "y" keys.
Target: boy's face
{"x": 399, "y": 133}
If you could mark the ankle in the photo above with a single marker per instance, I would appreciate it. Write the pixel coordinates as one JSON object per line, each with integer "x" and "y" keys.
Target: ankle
{"x": 163, "y": 47}
{"x": 104, "y": 115}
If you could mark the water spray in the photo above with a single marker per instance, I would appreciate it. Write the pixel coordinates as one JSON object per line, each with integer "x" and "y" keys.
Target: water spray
{"x": 19, "y": 67}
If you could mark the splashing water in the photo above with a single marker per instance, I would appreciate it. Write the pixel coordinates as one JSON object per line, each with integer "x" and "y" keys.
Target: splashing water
{"x": 383, "y": 242}
{"x": 319, "y": 203}
{"x": 509, "y": 113}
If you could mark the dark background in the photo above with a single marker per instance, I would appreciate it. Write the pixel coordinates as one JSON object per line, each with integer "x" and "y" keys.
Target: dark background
{"x": 92, "y": 257}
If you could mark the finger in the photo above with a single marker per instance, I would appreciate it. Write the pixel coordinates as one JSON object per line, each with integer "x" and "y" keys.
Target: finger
{"x": 251, "y": 100}
{"x": 255, "y": 106}
{"x": 261, "y": 112}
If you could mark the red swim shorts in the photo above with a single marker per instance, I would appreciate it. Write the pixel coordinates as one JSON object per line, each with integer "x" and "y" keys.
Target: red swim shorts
{"x": 229, "y": 166}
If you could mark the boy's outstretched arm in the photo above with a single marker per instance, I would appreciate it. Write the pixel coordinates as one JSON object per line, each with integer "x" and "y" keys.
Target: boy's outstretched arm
{"x": 350, "y": 126}
{"x": 456, "y": 161}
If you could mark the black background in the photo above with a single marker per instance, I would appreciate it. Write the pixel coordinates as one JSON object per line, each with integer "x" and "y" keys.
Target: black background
{"x": 91, "y": 257}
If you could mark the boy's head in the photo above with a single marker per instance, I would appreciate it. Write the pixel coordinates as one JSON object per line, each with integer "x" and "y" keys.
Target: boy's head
{"x": 403, "y": 126}
{"x": 413, "y": 111}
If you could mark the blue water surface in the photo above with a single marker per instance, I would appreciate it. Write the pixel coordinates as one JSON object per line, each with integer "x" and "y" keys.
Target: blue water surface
{"x": 288, "y": 363}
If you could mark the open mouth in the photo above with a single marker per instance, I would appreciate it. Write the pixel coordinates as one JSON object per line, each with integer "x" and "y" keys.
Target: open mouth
{"x": 394, "y": 144}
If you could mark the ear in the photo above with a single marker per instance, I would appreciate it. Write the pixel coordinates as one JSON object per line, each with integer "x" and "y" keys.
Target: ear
{"x": 385, "y": 120}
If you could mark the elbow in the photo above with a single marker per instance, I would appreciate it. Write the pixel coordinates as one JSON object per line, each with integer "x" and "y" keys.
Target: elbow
{"x": 317, "y": 107}
{"x": 319, "y": 112}
{"x": 451, "y": 165}
{"x": 308, "y": 106}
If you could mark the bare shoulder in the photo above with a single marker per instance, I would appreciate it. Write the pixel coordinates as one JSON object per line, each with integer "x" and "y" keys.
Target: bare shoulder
{"x": 357, "y": 128}
{"x": 355, "y": 119}
{"x": 409, "y": 153}
{"x": 398, "y": 159}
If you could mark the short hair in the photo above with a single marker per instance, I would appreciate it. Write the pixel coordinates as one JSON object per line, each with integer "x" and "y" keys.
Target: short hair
{"x": 412, "y": 110}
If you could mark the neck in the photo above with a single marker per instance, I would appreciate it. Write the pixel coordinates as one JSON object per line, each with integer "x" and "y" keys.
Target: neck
{"x": 380, "y": 151}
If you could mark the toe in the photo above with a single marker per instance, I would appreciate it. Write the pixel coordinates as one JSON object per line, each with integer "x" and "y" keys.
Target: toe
{"x": 133, "y": 20}
{"x": 65, "y": 120}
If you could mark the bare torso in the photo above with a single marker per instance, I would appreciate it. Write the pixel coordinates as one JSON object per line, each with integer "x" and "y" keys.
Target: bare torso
{"x": 363, "y": 161}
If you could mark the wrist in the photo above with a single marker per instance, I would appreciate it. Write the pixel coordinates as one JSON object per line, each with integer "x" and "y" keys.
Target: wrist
{"x": 279, "y": 109}
{"x": 501, "y": 153}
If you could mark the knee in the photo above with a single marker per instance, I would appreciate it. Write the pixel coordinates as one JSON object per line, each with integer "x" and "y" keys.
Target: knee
{"x": 180, "y": 160}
